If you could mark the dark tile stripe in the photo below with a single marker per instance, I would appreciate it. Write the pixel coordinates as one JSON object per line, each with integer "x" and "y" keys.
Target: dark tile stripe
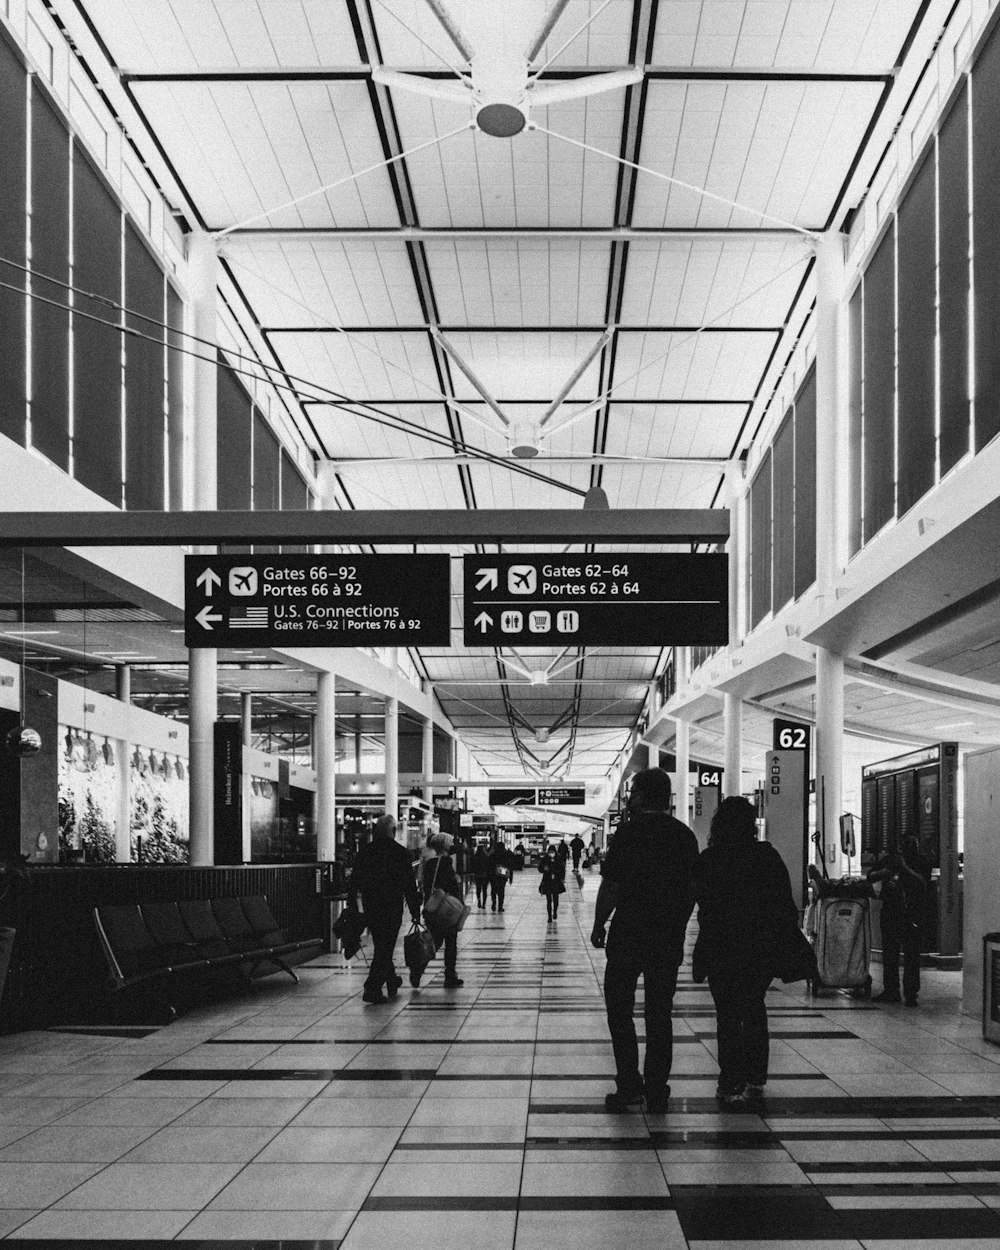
{"x": 558, "y": 1203}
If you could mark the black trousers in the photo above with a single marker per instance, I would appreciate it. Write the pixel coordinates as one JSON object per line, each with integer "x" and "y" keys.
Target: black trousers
{"x": 552, "y": 905}
{"x": 450, "y": 944}
{"x": 384, "y": 928}
{"x": 481, "y": 884}
{"x": 657, "y": 963}
{"x": 498, "y": 887}
{"x": 901, "y": 939}
{"x": 576, "y": 861}
{"x": 741, "y": 1015}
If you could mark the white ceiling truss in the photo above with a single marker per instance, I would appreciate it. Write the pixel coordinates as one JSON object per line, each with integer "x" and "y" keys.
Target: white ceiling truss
{"x": 465, "y": 320}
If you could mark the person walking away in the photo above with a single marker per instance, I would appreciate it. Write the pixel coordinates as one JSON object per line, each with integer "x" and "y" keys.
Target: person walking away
{"x": 440, "y": 872}
{"x": 519, "y": 855}
{"x": 553, "y": 882}
{"x": 562, "y": 853}
{"x": 576, "y": 847}
{"x": 383, "y": 876}
{"x": 481, "y": 871}
{"x": 501, "y": 863}
{"x": 647, "y": 882}
{"x": 906, "y": 880}
{"x": 745, "y": 909}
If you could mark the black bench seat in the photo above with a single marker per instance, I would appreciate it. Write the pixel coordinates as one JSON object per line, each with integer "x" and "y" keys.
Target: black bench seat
{"x": 147, "y": 943}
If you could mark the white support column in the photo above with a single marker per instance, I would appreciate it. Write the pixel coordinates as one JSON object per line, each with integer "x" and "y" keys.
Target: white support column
{"x": 606, "y": 831}
{"x": 829, "y": 743}
{"x": 123, "y": 804}
{"x": 326, "y": 767}
{"x": 682, "y": 755}
{"x": 831, "y": 417}
{"x": 123, "y": 683}
{"x": 653, "y": 755}
{"x": 203, "y": 708}
{"x": 392, "y": 756}
{"x": 831, "y": 522}
{"x": 203, "y": 665}
{"x": 732, "y": 783}
{"x": 427, "y": 760}
{"x": 246, "y": 718}
{"x": 732, "y": 713}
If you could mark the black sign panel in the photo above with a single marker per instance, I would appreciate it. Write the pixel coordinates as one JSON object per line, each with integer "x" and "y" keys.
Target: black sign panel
{"x": 599, "y": 600}
{"x": 549, "y": 796}
{"x": 511, "y": 797}
{"x": 564, "y": 796}
{"x": 317, "y": 601}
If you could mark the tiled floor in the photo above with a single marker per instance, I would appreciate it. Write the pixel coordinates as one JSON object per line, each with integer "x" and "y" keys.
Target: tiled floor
{"x": 473, "y": 1118}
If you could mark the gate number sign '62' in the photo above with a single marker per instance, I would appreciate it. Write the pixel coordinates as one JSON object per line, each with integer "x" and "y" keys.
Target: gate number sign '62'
{"x": 316, "y": 601}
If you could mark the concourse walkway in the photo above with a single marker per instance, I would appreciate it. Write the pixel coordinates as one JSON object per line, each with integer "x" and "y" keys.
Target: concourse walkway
{"x": 472, "y": 1119}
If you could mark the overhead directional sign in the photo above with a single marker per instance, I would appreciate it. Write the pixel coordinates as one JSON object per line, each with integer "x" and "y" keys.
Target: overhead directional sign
{"x": 548, "y": 796}
{"x": 317, "y": 601}
{"x": 599, "y": 600}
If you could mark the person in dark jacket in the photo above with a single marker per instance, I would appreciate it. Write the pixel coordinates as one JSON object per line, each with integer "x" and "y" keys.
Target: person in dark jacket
{"x": 501, "y": 863}
{"x": 440, "y": 872}
{"x": 577, "y": 846}
{"x": 553, "y": 882}
{"x": 906, "y": 881}
{"x": 745, "y": 910}
{"x": 481, "y": 867}
{"x": 647, "y": 881}
{"x": 383, "y": 877}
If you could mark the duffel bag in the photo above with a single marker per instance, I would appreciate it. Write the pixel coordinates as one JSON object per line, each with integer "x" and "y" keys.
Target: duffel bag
{"x": 418, "y": 949}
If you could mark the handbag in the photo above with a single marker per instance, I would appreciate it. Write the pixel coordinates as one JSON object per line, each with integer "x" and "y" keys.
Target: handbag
{"x": 418, "y": 949}
{"x": 443, "y": 912}
{"x": 348, "y": 929}
{"x": 797, "y": 960}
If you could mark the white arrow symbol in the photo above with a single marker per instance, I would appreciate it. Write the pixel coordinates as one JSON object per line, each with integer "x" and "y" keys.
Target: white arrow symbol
{"x": 484, "y": 621}
{"x": 207, "y": 579}
{"x": 488, "y": 578}
{"x": 206, "y": 616}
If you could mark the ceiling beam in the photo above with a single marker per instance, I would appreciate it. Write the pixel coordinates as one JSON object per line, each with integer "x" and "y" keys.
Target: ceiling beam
{"x": 687, "y": 462}
{"x": 360, "y": 73}
{"x": 600, "y": 234}
{"x": 446, "y": 526}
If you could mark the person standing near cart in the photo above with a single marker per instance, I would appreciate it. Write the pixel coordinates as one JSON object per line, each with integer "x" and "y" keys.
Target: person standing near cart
{"x": 906, "y": 881}
{"x": 383, "y": 876}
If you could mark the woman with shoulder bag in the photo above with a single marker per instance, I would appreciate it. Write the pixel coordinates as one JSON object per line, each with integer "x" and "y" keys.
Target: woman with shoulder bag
{"x": 746, "y": 919}
{"x": 552, "y": 884}
{"x": 439, "y": 874}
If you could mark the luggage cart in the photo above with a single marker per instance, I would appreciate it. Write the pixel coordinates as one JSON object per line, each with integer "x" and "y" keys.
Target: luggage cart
{"x": 842, "y": 936}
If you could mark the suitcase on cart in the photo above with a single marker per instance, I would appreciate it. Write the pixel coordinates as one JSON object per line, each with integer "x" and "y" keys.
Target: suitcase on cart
{"x": 844, "y": 944}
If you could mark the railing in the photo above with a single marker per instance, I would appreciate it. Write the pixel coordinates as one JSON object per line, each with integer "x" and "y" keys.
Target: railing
{"x": 58, "y": 973}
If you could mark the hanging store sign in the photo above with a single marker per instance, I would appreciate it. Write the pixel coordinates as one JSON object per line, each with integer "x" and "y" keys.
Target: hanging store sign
{"x": 317, "y": 601}
{"x": 599, "y": 600}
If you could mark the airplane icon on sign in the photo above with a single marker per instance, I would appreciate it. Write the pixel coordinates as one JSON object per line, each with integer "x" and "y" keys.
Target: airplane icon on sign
{"x": 522, "y": 579}
{"x": 243, "y": 581}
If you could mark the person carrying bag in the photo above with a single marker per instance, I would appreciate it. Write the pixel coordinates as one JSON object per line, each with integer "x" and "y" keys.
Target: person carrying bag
{"x": 444, "y": 911}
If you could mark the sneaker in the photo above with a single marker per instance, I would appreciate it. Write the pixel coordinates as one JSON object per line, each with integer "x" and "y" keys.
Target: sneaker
{"x": 618, "y": 1101}
{"x": 887, "y": 996}
{"x": 753, "y": 1093}
{"x": 656, "y": 1104}
{"x": 373, "y": 996}
{"x": 452, "y": 983}
{"x": 728, "y": 1097}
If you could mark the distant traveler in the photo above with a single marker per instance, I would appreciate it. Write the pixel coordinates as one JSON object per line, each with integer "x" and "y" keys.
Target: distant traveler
{"x": 481, "y": 871}
{"x": 501, "y": 863}
{"x": 562, "y": 851}
{"x": 745, "y": 908}
{"x": 439, "y": 871}
{"x": 906, "y": 879}
{"x": 519, "y": 855}
{"x": 647, "y": 881}
{"x": 577, "y": 847}
{"x": 553, "y": 882}
{"x": 383, "y": 876}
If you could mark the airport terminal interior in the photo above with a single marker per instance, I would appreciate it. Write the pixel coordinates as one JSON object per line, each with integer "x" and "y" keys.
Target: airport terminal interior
{"x": 449, "y": 410}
